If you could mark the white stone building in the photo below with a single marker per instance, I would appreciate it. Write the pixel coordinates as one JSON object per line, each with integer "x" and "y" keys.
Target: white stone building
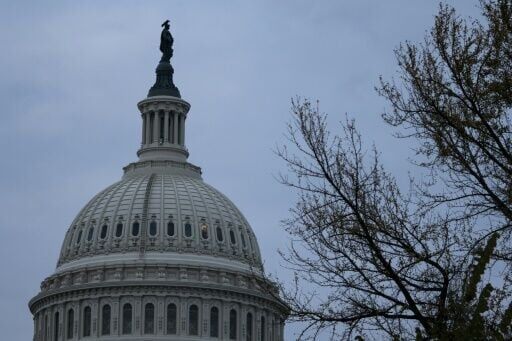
{"x": 159, "y": 255}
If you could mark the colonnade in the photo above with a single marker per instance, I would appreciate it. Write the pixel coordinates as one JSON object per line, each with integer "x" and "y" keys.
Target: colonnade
{"x": 163, "y": 127}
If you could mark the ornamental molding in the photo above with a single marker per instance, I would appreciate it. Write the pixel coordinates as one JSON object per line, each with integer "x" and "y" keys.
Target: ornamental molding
{"x": 163, "y": 292}
{"x": 161, "y": 274}
{"x": 163, "y": 103}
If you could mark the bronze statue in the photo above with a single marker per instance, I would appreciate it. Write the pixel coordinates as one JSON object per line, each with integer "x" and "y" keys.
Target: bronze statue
{"x": 166, "y": 42}
{"x": 164, "y": 85}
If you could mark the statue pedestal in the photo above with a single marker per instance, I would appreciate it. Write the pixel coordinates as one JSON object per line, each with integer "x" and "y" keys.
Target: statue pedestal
{"x": 164, "y": 85}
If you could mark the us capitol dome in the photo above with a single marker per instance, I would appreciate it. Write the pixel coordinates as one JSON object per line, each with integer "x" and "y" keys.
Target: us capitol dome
{"x": 160, "y": 254}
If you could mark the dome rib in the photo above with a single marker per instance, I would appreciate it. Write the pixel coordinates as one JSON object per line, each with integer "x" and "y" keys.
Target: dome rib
{"x": 130, "y": 215}
{"x": 144, "y": 222}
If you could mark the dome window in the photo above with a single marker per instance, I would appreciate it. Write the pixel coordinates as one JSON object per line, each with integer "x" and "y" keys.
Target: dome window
{"x": 103, "y": 233}
{"x": 232, "y": 324}
{"x": 193, "y": 320}
{"x": 188, "y": 230}
{"x": 204, "y": 230}
{"x": 170, "y": 229}
{"x": 218, "y": 231}
{"x": 172, "y": 319}
{"x": 153, "y": 228}
{"x": 127, "y": 319}
{"x": 149, "y": 318}
{"x": 90, "y": 234}
{"x": 119, "y": 230}
{"x": 79, "y": 237}
{"x": 214, "y": 322}
{"x": 135, "y": 229}
{"x": 105, "y": 319}
{"x": 232, "y": 237}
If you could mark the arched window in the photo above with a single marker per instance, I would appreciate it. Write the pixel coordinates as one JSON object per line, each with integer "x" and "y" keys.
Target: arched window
{"x": 56, "y": 326}
{"x": 119, "y": 230}
{"x": 248, "y": 323}
{"x": 89, "y": 235}
{"x": 204, "y": 231}
{"x": 193, "y": 320}
{"x": 214, "y": 322}
{"x": 232, "y": 324}
{"x": 127, "y": 318}
{"x": 103, "y": 233}
{"x": 220, "y": 237}
{"x": 153, "y": 228}
{"x": 135, "y": 229}
{"x": 71, "y": 322}
{"x": 105, "y": 319}
{"x": 232, "y": 237}
{"x": 79, "y": 237}
{"x": 87, "y": 321}
{"x": 171, "y": 319}
{"x": 188, "y": 230}
{"x": 46, "y": 330}
{"x": 149, "y": 318}
{"x": 262, "y": 327}
{"x": 170, "y": 229}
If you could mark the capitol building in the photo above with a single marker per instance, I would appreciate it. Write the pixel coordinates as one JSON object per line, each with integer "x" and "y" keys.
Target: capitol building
{"x": 160, "y": 254}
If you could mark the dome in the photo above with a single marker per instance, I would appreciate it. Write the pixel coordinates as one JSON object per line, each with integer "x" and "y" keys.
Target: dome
{"x": 160, "y": 254}
{"x": 167, "y": 215}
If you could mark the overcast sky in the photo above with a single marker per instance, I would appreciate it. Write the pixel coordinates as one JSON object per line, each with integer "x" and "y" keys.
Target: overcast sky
{"x": 72, "y": 72}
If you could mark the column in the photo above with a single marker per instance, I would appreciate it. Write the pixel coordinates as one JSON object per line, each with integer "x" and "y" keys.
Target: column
{"x": 176, "y": 126}
{"x": 183, "y": 118}
{"x": 148, "y": 127}
{"x": 156, "y": 127}
{"x": 143, "y": 129}
{"x": 166, "y": 126}
{"x": 115, "y": 317}
{"x": 182, "y": 130}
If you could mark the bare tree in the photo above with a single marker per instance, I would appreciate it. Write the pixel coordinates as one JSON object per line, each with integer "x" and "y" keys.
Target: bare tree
{"x": 412, "y": 265}
{"x": 377, "y": 264}
{"x": 455, "y": 97}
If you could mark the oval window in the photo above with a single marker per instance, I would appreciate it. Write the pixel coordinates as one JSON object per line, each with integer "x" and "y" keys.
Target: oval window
{"x": 119, "y": 230}
{"x": 204, "y": 231}
{"x": 135, "y": 228}
{"x": 152, "y": 228}
{"x": 220, "y": 237}
{"x": 89, "y": 235}
{"x": 170, "y": 229}
{"x": 79, "y": 237}
{"x": 232, "y": 237}
{"x": 188, "y": 230}
{"x": 103, "y": 233}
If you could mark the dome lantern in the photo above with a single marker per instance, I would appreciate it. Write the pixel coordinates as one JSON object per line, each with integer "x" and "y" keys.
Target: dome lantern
{"x": 163, "y": 112}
